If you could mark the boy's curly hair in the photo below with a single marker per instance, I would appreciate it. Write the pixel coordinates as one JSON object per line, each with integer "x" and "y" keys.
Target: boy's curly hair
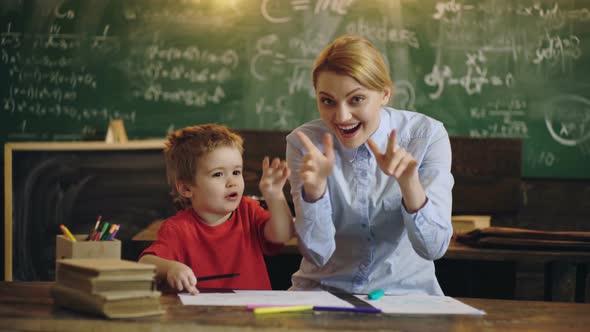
{"x": 184, "y": 148}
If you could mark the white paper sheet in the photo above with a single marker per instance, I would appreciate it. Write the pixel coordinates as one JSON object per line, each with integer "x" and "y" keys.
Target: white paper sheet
{"x": 286, "y": 298}
{"x": 421, "y": 304}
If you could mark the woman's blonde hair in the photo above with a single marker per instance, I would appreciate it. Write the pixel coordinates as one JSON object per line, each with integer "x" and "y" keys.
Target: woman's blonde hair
{"x": 184, "y": 148}
{"x": 356, "y": 57}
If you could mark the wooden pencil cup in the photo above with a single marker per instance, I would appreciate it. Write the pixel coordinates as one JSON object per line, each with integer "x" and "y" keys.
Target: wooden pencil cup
{"x": 65, "y": 248}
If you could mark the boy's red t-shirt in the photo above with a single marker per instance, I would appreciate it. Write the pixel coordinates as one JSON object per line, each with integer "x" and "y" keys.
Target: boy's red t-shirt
{"x": 236, "y": 246}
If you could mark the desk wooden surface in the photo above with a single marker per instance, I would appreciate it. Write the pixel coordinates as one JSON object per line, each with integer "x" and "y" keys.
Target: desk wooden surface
{"x": 29, "y": 307}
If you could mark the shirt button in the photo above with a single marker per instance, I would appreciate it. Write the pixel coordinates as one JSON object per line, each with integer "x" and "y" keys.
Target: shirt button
{"x": 364, "y": 225}
{"x": 362, "y": 200}
{"x": 364, "y": 174}
{"x": 368, "y": 239}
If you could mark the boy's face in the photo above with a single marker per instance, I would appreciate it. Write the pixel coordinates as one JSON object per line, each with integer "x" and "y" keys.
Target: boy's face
{"x": 218, "y": 186}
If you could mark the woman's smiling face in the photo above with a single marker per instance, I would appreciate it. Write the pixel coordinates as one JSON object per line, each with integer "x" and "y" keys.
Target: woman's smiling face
{"x": 348, "y": 108}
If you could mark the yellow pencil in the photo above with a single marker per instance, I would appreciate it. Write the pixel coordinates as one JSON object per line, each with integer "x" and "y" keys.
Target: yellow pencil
{"x": 274, "y": 310}
{"x": 67, "y": 233}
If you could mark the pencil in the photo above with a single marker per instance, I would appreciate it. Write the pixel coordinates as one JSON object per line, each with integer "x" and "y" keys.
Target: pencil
{"x": 67, "y": 233}
{"x": 93, "y": 232}
{"x": 367, "y": 310}
{"x": 274, "y": 310}
{"x": 217, "y": 276}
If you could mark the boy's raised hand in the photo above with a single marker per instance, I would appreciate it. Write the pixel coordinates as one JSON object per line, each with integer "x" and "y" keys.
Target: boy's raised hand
{"x": 316, "y": 166}
{"x": 182, "y": 277}
{"x": 279, "y": 228}
{"x": 274, "y": 177}
{"x": 395, "y": 161}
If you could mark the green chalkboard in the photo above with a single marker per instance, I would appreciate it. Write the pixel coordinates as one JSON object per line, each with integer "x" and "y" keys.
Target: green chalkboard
{"x": 487, "y": 68}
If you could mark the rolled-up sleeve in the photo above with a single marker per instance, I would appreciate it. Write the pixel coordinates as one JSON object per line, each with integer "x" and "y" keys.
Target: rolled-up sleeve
{"x": 313, "y": 223}
{"x": 430, "y": 229}
{"x": 166, "y": 244}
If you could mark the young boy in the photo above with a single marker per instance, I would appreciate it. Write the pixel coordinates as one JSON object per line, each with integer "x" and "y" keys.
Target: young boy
{"x": 219, "y": 231}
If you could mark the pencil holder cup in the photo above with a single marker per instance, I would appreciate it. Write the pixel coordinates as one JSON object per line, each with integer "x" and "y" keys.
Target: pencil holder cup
{"x": 65, "y": 248}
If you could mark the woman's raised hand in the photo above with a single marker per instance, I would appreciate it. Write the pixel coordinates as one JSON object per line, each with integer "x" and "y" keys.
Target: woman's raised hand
{"x": 395, "y": 161}
{"x": 316, "y": 166}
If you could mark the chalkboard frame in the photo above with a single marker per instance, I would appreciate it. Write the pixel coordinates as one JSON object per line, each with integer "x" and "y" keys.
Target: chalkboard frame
{"x": 11, "y": 148}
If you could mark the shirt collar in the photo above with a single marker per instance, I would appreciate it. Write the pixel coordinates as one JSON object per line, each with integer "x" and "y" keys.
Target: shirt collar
{"x": 378, "y": 136}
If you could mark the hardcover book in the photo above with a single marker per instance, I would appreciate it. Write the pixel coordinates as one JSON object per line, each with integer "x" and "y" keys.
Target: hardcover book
{"x": 96, "y": 285}
{"x": 107, "y": 268}
{"x": 113, "y": 288}
{"x": 109, "y": 304}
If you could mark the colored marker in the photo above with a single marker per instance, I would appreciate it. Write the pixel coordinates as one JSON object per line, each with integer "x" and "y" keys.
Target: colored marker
{"x": 367, "y": 310}
{"x": 376, "y": 294}
{"x": 275, "y": 310}
{"x": 104, "y": 230}
{"x": 96, "y": 235}
{"x": 93, "y": 232}
{"x": 115, "y": 232}
{"x": 254, "y": 306}
{"x": 108, "y": 235}
{"x": 67, "y": 233}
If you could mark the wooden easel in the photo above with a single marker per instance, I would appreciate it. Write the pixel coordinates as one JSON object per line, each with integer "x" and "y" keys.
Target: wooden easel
{"x": 116, "y": 132}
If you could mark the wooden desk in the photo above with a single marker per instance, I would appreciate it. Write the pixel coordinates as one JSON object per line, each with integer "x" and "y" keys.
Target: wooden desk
{"x": 29, "y": 307}
{"x": 460, "y": 251}
{"x": 557, "y": 265}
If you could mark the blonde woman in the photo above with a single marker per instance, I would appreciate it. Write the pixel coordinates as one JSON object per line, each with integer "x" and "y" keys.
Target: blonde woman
{"x": 371, "y": 184}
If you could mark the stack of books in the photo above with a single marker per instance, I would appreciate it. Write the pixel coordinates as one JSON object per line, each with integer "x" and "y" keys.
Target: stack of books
{"x": 113, "y": 288}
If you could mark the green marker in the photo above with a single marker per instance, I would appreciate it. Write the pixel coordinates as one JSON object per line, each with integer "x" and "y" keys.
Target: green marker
{"x": 105, "y": 229}
{"x": 376, "y": 294}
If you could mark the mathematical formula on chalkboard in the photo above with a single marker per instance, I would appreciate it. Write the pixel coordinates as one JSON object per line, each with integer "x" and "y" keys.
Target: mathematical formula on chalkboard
{"x": 491, "y": 68}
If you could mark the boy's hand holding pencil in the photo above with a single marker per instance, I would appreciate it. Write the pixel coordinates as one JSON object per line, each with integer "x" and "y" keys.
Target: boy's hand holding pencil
{"x": 181, "y": 277}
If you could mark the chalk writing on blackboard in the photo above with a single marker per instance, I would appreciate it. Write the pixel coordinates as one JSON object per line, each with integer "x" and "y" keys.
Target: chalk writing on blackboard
{"x": 382, "y": 31}
{"x": 339, "y": 7}
{"x": 568, "y": 119}
{"x": 279, "y": 107}
{"x": 505, "y": 118}
{"x": 42, "y": 85}
{"x": 472, "y": 80}
{"x": 405, "y": 95}
{"x": 269, "y": 60}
